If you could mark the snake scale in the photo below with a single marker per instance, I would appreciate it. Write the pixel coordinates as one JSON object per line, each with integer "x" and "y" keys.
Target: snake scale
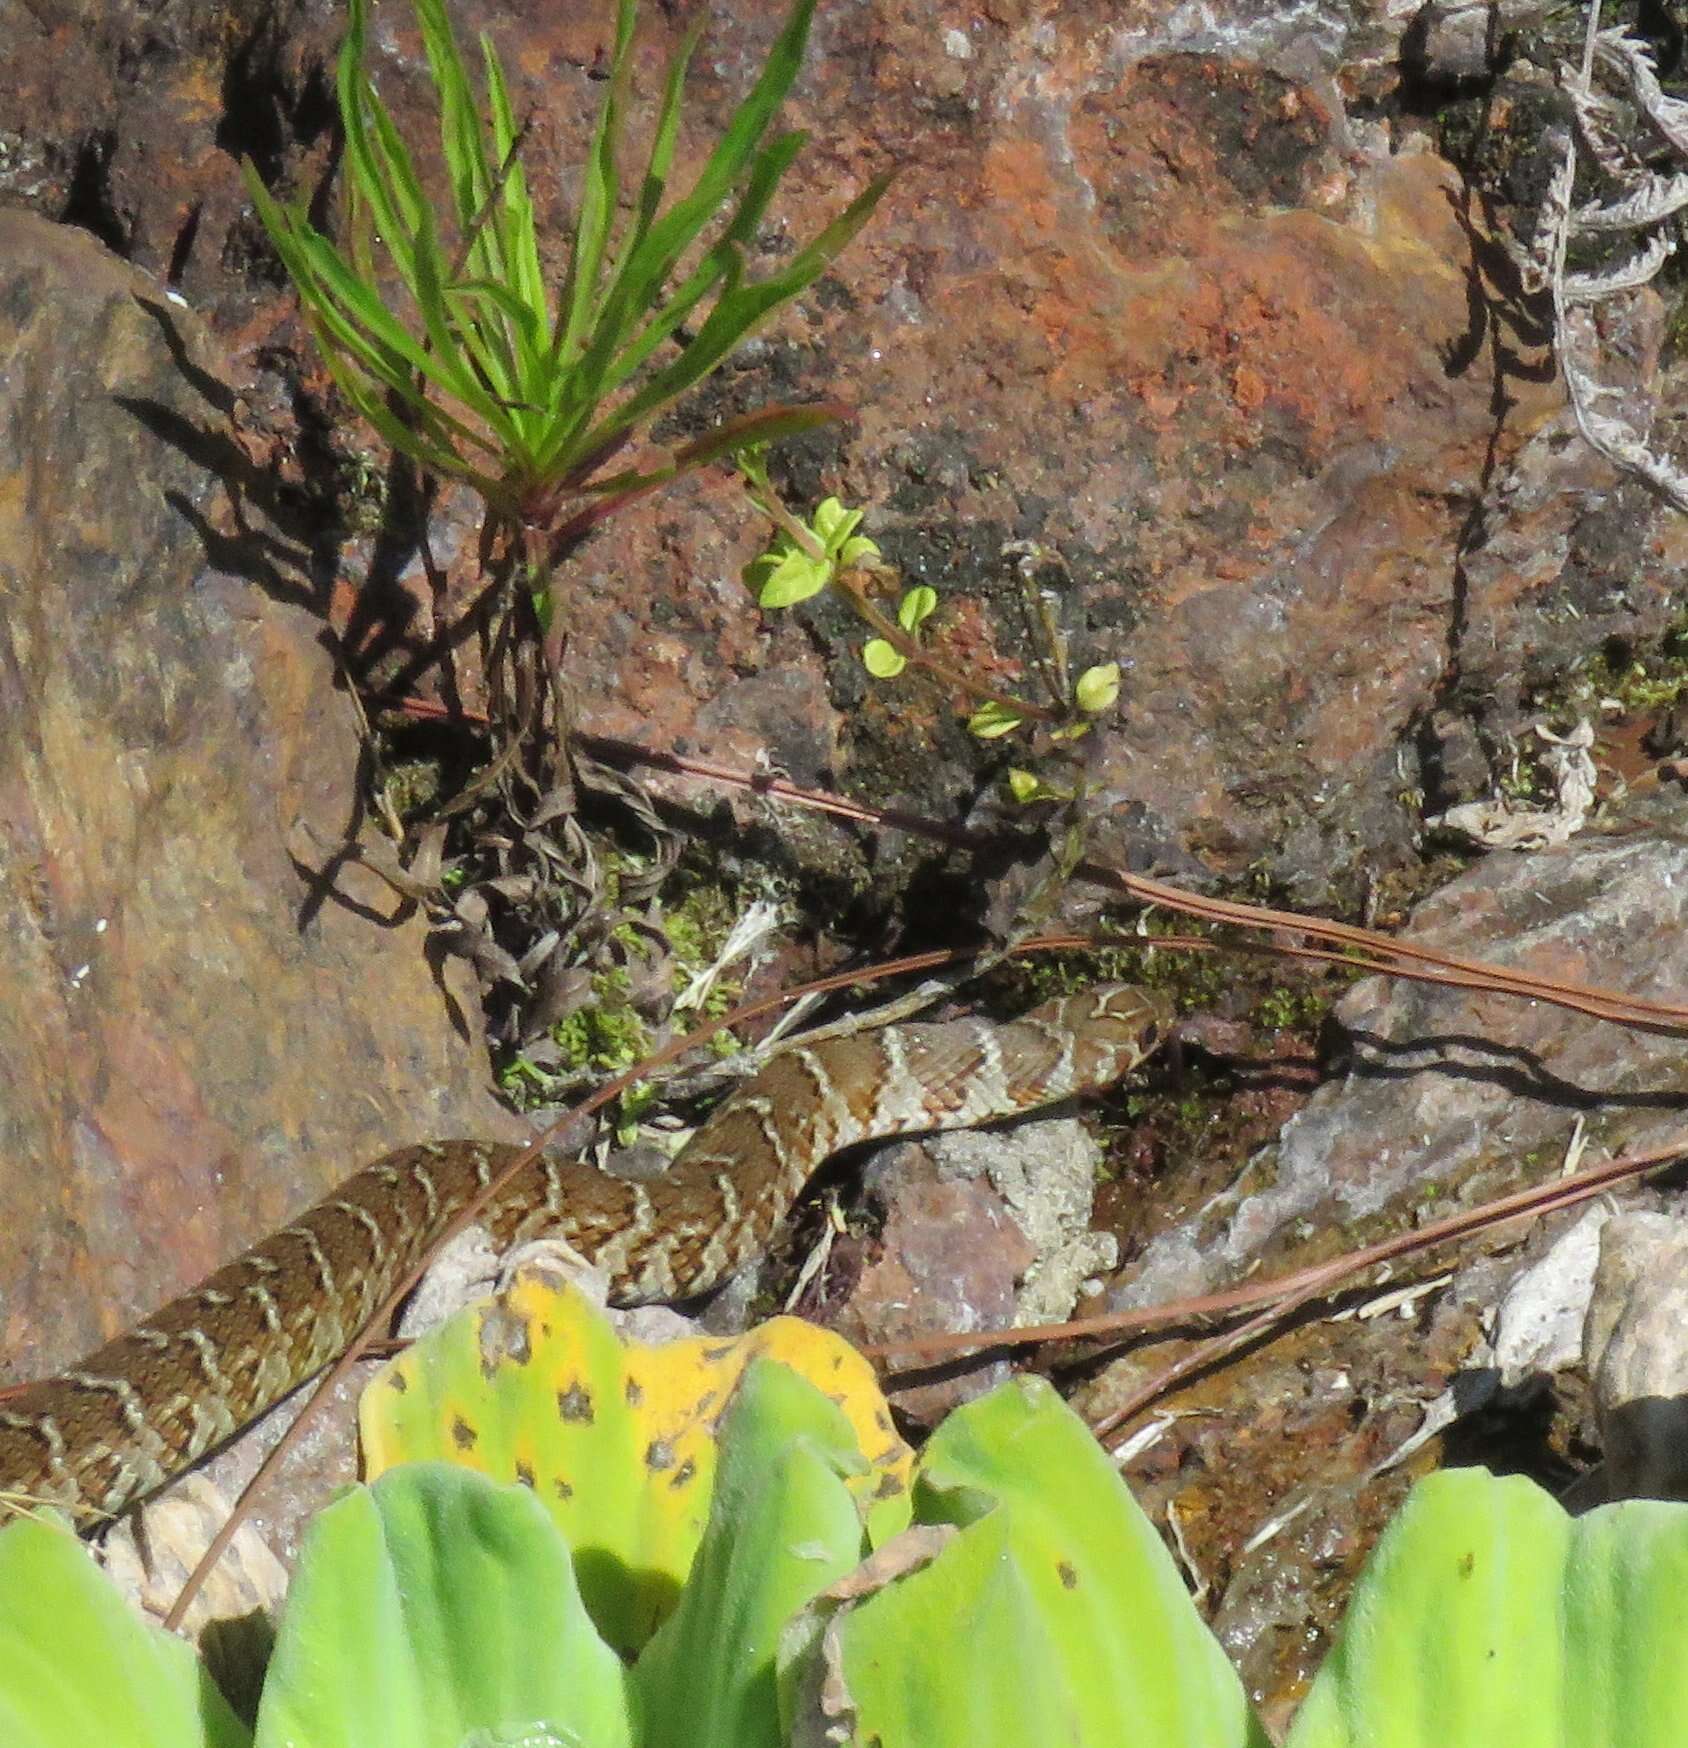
{"x": 148, "y": 1404}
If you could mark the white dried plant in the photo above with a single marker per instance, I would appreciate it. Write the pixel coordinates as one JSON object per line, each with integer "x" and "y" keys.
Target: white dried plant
{"x": 1503, "y": 822}
{"x": 1637, "y": 137}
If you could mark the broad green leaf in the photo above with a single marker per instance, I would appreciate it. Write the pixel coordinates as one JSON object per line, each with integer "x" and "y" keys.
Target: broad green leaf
{"x": 431, "y": 1605}
{"x": 782, "y": 1526}
{"x": 1488, "y": 1616}
{"x": 616, "y": 1441}
{"x": 1059, "y": 1613}
{"x": 80, "y": 1669}
{"x": 1097, "y": 689}
{"x": 882, "y": 659}
{"x": 784, "y": 579}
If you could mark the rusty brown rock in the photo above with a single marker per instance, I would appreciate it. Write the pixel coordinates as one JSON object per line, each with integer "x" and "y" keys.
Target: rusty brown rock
{"x": 1173, "y": 292}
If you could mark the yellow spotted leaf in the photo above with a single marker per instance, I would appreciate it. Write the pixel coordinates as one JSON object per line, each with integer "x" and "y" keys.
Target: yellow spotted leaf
{"x": 618, "y": 1441}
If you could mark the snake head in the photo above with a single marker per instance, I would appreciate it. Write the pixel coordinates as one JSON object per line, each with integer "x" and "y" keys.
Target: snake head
{"x": 1128, "y": 1017}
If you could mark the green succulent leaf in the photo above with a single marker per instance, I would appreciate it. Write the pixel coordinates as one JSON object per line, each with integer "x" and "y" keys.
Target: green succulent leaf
{"x": 434, "y": 1604}
{"x": 1077, "y": 1625}
{"x": 618, "y": 1441}
{"x": 1487, "y": 1615}
{"x": 78, "y": 1665}
{"x": 782, "y": 1526}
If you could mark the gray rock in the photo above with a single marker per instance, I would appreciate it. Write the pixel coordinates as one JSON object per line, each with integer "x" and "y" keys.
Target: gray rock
{"x": 1448, "y": 1095}
{"x": 1635, "y": 1345}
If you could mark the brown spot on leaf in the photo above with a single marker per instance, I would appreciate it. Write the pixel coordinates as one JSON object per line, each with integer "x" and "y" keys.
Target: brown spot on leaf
{"x": 524, "y": 1473}
{"x": 686, "y": 1471}
{"x": 1069, "y": 1578}
{"x": 634, "y": 1392}
{"x": 659, "y": 1455}
{"x": 463, "y": 1435}
{"x": 575, "y": 1405}
{"x": 564, "y": 1490}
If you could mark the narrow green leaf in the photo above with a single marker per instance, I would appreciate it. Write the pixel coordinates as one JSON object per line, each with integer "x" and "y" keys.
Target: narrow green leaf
{"x": 600, "y": 190}
{"x": 428, "y": 440}
{"x": 765, "y": 425}
{"x": 916, "y": 607}
{"x": 771, "y": 164}
{"x": 352, "y": 308}
{"x": 357, "y": 97}
{"x": 387, "y": 179}
{"x": 462, "y": 143}
{"x": 991, "y": 721}
{"x": 660, "y": 161}
{"x": 521, "y": 235}
{"x": 650, "y": 266}
{"x": 667, "y": 130}
{"x": 739, "y": 309}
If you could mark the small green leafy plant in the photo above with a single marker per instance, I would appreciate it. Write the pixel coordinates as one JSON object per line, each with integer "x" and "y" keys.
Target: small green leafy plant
{"x": 441, "y": 329}
{"x": 827, "y": 553}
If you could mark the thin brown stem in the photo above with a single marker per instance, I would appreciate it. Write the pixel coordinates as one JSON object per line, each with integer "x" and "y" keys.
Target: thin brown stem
{"x": 918, "y": 655}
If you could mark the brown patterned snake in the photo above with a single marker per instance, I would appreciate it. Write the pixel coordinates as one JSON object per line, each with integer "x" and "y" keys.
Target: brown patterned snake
{"x": 145, "y": 1406}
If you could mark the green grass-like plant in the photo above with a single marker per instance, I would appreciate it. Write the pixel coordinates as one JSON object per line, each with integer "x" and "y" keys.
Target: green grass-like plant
{"x": 477, "y": 369}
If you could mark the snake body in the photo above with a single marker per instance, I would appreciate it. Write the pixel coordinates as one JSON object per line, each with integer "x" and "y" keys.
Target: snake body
{"x": 151, "y": 1402}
